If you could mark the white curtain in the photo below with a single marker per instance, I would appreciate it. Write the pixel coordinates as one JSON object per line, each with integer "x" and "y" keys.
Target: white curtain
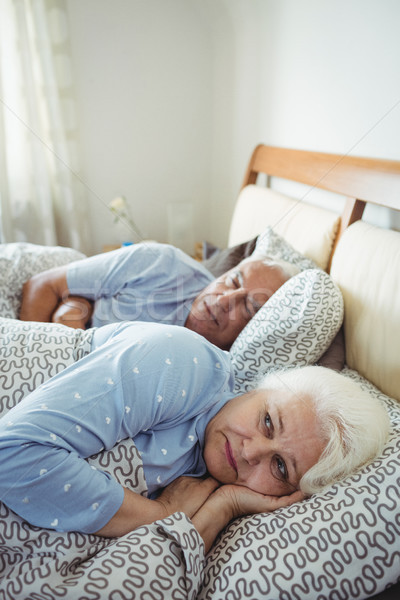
{"x": 43, "y": 199}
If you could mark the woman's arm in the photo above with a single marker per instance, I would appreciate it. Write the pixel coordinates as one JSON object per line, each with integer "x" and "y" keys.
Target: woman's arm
{"x": 185, "y": 494}
{"x": 52, "y": 487}
{"x": 124, "y": 387}
{"x": 229, "y": 502}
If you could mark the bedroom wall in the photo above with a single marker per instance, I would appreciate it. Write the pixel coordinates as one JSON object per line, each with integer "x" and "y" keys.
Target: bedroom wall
{"x": 327, "y": 79}
{"x": 143, "y": 79}
{"x": 174, "y": 94}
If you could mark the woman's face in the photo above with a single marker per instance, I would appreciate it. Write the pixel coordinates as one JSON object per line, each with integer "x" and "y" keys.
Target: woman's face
{"x": 263, "y": 440}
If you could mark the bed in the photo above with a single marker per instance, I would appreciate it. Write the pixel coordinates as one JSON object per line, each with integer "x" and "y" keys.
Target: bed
{"x": 342, "y": 544}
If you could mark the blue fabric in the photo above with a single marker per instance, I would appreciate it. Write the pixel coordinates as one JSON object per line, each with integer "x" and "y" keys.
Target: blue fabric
{"x": 156, "y": 384}
{"x": 144, "y": 282}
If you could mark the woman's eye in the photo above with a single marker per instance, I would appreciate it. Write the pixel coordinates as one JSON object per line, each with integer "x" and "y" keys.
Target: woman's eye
{"x": 281, "y": 467}
{"x": 268, "y": 422}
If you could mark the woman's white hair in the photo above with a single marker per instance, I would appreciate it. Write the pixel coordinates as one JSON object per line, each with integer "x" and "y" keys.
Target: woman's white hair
{"x": 354, "y": 424}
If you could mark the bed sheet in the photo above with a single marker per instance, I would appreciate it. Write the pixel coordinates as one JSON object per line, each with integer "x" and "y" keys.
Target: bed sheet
{"x": 340, "y": 545}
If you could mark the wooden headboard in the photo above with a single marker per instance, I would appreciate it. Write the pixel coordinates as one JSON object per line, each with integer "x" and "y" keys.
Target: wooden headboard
{"x": 360, "y": 180}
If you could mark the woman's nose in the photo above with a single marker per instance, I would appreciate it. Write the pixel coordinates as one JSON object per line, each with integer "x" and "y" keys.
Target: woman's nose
{"x": 254, "y": 450}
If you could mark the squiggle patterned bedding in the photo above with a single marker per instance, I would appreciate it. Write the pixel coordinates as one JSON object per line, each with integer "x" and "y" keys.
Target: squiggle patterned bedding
{"x": 341, "y": 545}
{"x": 19, "y": 262}
{"x": 31, "y": 353}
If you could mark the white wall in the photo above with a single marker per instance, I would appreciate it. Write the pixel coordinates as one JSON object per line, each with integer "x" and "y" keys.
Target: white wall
{"x": 143, "y": 79}
{"x": 334, "y": 82}
{"x": 174, "y": 94}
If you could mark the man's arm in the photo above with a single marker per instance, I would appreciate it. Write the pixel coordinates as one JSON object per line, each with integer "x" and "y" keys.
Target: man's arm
{"x": 42, "y": 294}
{"x": 75, "y": 312}
{"x": 45, "y": 297}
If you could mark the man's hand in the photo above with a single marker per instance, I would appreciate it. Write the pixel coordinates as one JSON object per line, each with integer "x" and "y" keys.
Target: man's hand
{"x": 74, "y": 312}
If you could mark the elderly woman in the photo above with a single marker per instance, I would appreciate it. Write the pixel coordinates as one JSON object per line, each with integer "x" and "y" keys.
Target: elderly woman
{"x": 170, "y": 390}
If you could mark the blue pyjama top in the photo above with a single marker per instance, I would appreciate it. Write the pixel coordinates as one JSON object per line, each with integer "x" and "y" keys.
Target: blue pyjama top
{"x": 144, "y": 282}
{"x": 156, "y": 384}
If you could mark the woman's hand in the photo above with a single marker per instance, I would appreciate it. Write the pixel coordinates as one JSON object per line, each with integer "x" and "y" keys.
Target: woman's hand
{"x": 240, "y": 500}
{"x": 231, "y": 501}
{"x": 187, "y": 494}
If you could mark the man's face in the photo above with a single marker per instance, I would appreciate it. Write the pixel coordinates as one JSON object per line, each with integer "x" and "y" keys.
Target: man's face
{"x": 264, "y": 440}
{"x": 226, "y": 305}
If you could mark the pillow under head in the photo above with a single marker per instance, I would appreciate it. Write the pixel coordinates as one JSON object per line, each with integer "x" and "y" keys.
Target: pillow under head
{"x": 269, "y": 243}
{"x": 294, "y": 328}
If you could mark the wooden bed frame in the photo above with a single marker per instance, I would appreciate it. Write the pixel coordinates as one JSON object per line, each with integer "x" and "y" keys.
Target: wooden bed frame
{"x": 360, "y": 180}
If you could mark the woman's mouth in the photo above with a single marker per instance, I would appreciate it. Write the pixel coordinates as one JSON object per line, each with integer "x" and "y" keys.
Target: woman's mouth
{"x": 229, "y": 456}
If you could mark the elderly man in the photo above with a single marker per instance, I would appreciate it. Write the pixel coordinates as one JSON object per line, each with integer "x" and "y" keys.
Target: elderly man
{"x": 155, "y": 283}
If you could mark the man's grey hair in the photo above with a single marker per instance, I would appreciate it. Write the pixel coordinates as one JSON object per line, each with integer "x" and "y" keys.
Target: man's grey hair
{"x": 288, "y": 269}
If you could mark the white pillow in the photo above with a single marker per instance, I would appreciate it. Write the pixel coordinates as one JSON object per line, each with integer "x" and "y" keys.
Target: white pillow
{"x": 258, "y": 206}
{"x": 366, "y": 266}
{"x": 19, "y": 262}
{"x": 272, "y": 244}
{"x": 295, "y": 327}
{"x": 31, "y": 353}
